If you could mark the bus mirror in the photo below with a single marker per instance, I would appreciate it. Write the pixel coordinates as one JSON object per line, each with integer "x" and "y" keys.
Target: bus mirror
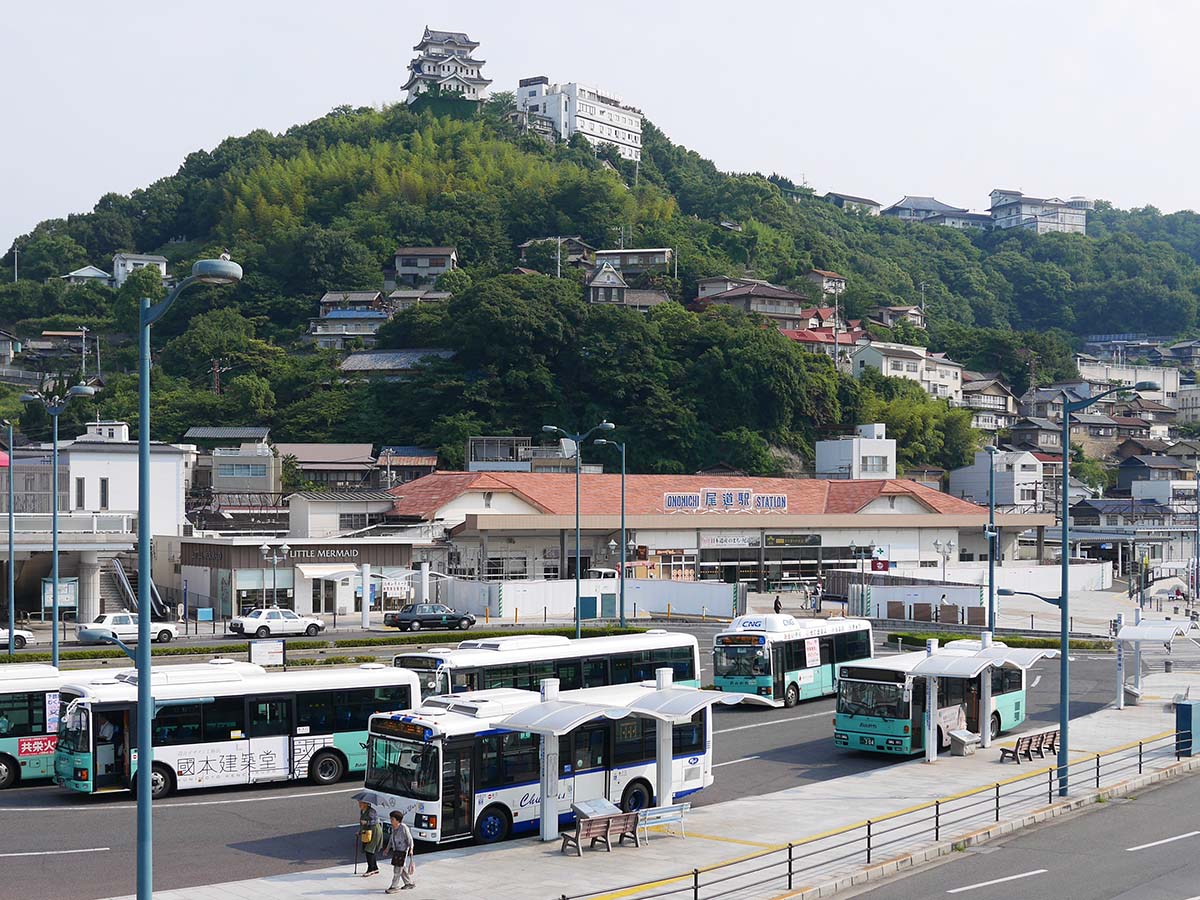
{"x": 908, "y": 693}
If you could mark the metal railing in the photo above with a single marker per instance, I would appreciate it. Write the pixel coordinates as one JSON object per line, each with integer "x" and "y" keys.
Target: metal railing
{"x": 874, "y": 841}
{"x": 77, "y": 523}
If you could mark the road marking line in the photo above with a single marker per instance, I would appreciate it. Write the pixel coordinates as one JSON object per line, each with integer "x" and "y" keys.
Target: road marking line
{"x": 1178, "y": 837}
{"x": 81, "y": 808}
{"x": 773, "y": 722}
{"x": 711, "y": 837}
{"x": 971, "y": 887}
{"x": 56, "y": 852}
{"x": 735, "y": 761}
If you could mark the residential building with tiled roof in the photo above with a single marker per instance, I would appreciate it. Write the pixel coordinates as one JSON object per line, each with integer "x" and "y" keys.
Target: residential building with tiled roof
{"x": 851, "y": 203}
{"x": 827, "y": 283}
{"x": 414, "y": 266}
{"x": 940, "y": 377}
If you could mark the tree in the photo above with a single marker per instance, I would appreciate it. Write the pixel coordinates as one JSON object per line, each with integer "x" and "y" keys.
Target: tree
{"x": 49, "y": 255}
{"x": 143, "y": 282}
{"x": 1090, "y": 471}
{"x": 454, "y": 281}
{"x": 220, "y": 334}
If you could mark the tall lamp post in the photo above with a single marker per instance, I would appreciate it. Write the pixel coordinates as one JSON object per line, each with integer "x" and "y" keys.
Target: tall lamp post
{"x": 602, "y": 442}
{"x": 206, "y": 271}
{"x": 578, "y": 439}
{"x": 991, "y": 536}
{"x": 54, "y": 404}
{"x": 944, "y": 549}
{"x": 12, "y": 578}
{"x": 1064, "y": 604}
{"x": 274, "y": 557}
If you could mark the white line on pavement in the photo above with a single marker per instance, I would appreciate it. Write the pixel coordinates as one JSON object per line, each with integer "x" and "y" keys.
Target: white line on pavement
{"x": 106, "y": 808}
{"x": 1178, "y": 837}
{"x": 735, "y": 761}
{"x": 773, "y": 722}
{"x": 971, "y": 887}
{"x": 56, "y": 852}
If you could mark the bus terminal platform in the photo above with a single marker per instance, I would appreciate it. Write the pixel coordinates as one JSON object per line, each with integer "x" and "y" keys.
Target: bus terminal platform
{"x": 527, "y": 869}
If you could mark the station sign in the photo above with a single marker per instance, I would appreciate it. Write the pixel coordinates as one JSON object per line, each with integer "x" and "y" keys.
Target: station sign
{"x": 724, "y": 500}
{"x": 793, "y": 540}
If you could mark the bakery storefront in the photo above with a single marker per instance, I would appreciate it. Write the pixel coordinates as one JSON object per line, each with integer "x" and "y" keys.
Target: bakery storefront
{"x": 313, "y": 576}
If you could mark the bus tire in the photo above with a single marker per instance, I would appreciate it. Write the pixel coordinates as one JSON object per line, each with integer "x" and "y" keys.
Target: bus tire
{"x": 164, "y": 637}
{"x": 326, "y": 767}
{"x": 311, "y": 630}
{"x": 493, "y": 825}
{"x": 162, "y": 781}
{"x": 10, "y": 770}
{"x": 791, "y": 696}
{"x": 995, "y": 725}
{"x": 636, "y": 797}
{"x": 18, "y": 642}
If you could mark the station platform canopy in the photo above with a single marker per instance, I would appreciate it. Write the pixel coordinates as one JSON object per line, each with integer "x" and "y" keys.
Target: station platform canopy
{"x": 1159, "y": 631}
{"x": 969, "y": 663}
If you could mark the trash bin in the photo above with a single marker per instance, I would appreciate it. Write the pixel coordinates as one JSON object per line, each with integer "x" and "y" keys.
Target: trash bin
{"x": 963, "y": 742}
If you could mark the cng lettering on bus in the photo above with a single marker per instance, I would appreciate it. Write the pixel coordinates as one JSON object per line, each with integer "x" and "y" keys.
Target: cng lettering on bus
{"x": 752, "y": 623}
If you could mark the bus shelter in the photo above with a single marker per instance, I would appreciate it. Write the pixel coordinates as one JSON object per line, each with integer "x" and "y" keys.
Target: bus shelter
{"x": 666, "y": 703}
{"x": 968, "y": 659}
{"x": 1130, "y": 639}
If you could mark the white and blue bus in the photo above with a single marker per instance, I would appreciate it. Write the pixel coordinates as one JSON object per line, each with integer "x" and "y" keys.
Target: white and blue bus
{"x": 456, "y": 775}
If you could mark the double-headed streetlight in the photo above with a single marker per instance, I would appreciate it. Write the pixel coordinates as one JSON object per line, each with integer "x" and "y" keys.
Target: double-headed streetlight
{"x": 1064, "y": 601}
{"x": 992, "y": 535}
{"x": 578, "y": 440}
{"x": 944, "y": 549}
{"x": 12, "y": 578}
{"x": 602, "y": 442}
{"x": 274, "y": 558}
{"x": 54, "y": 405}
{"x": 206, "y": 271}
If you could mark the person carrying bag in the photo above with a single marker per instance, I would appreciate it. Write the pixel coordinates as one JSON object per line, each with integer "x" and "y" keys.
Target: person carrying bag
{"x": 370, "y": 834}
{"x": 401, "y": 845}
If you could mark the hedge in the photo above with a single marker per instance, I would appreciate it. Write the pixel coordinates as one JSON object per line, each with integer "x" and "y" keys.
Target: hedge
{"x": 916, "y": 640}
{"x": 423, "y": 637}
{"x": 175, "y": 650}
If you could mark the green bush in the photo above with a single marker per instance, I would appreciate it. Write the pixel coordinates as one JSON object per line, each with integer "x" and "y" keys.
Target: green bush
{"x": 424, "y": 637}
{"x": 917, "y": 640}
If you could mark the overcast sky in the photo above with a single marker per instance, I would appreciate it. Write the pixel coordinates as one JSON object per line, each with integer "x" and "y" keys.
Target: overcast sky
{"x": 1053, "y": 97}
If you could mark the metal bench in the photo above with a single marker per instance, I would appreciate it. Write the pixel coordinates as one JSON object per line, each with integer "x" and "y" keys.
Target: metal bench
{"x": 602, "y": 829}
{"x": 1030, "y": 744}
{"x": 663, "y": 815}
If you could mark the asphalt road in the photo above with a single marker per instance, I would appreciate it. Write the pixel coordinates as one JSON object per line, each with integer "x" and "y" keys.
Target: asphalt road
{"x": 207, "y": 836}
{"x": 1147, "y": 848}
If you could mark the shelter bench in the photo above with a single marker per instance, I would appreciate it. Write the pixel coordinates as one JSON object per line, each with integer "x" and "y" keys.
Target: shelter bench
{"x": 602, "y": 829}
{"x": 1046, "y": 741}
{"x": 663, "y": 815}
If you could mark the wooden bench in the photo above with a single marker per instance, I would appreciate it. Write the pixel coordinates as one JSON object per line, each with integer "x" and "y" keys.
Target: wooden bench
{"x": 663, "y": 815}
{"x": 602, "y": 829}
{"x": 1030, "y": 744}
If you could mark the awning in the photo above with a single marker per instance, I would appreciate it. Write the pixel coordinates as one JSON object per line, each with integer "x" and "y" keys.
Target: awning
{"x": 971, "y": 665}
{"x": 1160, "y": 631}
{"x": 558, "y": 717}
{"x": 326, "y": 570}
{"x": 678, "y": 703}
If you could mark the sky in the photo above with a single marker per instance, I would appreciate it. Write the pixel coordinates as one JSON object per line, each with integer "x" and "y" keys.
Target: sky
{"x": 877, "y": 99}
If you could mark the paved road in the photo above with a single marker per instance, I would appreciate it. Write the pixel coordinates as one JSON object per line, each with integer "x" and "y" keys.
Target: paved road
{"x": 223, "y": 834}
{"x": 1146, "y": 848}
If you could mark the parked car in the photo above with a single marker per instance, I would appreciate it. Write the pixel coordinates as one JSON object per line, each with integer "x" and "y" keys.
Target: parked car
{"x": 265, "y": 622}
{"x": 21, "y": 637}
{"x": 415, "y": 616}
{"x": 123, "y": 625}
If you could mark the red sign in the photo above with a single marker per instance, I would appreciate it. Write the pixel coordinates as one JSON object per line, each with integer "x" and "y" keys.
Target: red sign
{"x": 879, "y": 565}
{"x": 36, "y": 746}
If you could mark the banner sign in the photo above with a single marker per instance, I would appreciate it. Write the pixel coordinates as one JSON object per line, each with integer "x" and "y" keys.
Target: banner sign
{"x": 731, "y": 539}
{"x": 724, "y": 500}
{"x": 793, "y": 540}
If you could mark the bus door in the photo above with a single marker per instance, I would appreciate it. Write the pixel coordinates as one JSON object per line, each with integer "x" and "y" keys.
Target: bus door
{"x": 916, "y": 687}
{"x": 269, "y": 727}
{"x": 112, "y": 730}
{"x": 589, "y": 763}
{"x": 778, "y": 671}
{"x": 458, "y": 789}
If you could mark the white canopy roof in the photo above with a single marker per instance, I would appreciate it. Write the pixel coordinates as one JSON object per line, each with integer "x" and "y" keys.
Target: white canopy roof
{"x": 956, "y": 664}
{"x": 1160, "y": 631}
{"x": 557, "y": 717}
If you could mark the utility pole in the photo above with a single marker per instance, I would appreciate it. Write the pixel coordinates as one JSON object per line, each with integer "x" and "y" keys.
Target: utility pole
{"x": 83, "y": 330}
{"x": 98, "y": 373}
{"x": 922, "y": 297}
{"x": 216, "y": 376}
{"x": 16, "y": 258}
{"x": 558, "y": 257}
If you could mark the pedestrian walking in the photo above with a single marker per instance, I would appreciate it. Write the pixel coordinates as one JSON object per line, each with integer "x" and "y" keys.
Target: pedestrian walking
{"x": 370, "y": 833}
{"x": 403, "y": 866}
{"x": 778, "y": 605}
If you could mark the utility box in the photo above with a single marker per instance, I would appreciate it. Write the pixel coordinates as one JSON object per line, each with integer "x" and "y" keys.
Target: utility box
{"x": 963, "y": 742}
{"x": 1187, "y": 719}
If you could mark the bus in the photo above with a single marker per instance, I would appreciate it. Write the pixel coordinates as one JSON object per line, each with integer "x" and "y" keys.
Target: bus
{"x": 456, "y": 775}
{"x": 522, "y": 661}
{"x": 246, "y": 726}
{"x": 785, "y": 659}
{"x": 881, "y": 702}
{"x": 29, "y": 707}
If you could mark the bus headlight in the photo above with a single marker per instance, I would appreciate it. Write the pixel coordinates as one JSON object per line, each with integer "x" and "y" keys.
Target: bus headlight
{"x": 894, "y": 742}
{"x": 838, "y": 736}
{"x": 423, "y": 821}
{"x": 81, "y": 775}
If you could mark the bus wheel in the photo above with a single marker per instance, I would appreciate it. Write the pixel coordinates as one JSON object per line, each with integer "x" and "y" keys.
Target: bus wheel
{"x": 326, "y": 768}
{"x": 636, "y": 797}
{"x": 791, "y": 696}
{"x": 995, "y": 725}
{"x": 162, "y": 782}
{"x": 493, "y": 825}
{"x": 8, "y": 772}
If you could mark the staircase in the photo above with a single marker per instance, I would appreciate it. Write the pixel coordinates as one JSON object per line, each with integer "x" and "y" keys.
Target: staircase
{"x": 111, "y": 598}
{"x": 125, "y": 577}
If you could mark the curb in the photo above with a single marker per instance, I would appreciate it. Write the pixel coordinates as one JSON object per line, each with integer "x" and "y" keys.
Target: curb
{"x": 933, "y": 852}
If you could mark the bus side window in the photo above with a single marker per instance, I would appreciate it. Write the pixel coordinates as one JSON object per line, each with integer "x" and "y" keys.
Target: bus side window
{"x": 595, "y": 673}
{"x": 177, "y": 725}
{"x": 826, "y": 651}
{"x": 689, "y": 738}
{"x": 621, "y": 669}
{"x": 223, "y": 718}
{"x": 314, "y": 711}
{"x": 23, "y": 714}
{"x": 568, "y": 675}
{"x": 793, "y": 655}
{"x": 465, "y": 680}
{"x": 683, "y": 661}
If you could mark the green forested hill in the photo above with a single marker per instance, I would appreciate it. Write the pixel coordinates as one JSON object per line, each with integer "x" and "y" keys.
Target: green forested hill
{"x": 325, "y": 204}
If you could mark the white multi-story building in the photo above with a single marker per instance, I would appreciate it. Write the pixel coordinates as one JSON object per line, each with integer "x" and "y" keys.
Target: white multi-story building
{"x": 1018, "y": 479}
{"x": 1101, "y": 375}
{"x": 444, "y": 62}
{"x": 939, "y": 376}
{"x": 1012, "y": 209}
{"x": 577, "y": 109}
{"x": 1188, "y": 403}
{"x": 869, "y": 453}
{"x": 125, "y": 264}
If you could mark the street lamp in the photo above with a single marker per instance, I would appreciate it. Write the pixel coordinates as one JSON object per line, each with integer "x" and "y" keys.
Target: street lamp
{"x": 601, "y": 442}
{"x": 991, "y": 536}
{"x": 12, "y": 578}
{"x": 54, "y": 405}
{"x": 944, "y": 549}
{"x": 1064, "y": 686}
{"x": 274, "y": 558}
{"x": 578, "y": 439}
{"x": 206, "y": 271}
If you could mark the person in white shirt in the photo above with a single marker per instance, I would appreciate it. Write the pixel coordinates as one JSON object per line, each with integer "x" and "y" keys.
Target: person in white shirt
{"x": 5, "y": 725}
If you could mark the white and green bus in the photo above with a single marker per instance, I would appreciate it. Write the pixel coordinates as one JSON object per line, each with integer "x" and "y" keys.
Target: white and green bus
{"x": 29, "y": 707}
{"x": 228, "y": 723}
{"x": 881, "y": 702}
{"x": 522, "y": 661}
{"x": 785, "y": 659}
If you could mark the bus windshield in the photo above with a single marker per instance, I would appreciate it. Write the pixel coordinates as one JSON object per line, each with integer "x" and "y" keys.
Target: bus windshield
{"x": 741, "y": 660}
{"x": 870, "y": 698}
{"x": 73, "y": 733}
{"x": 404, "y": 767}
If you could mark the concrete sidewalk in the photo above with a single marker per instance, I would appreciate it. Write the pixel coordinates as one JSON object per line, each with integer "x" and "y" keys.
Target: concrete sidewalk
{"x": 527, "y": 870}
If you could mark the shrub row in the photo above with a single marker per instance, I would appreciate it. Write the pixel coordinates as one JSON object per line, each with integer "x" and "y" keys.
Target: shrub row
{"x": 916, "y": 640}
{"x": 165, "y": 650}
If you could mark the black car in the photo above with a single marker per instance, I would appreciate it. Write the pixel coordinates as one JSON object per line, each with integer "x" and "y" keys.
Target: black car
{"x": 416, "y": 616}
